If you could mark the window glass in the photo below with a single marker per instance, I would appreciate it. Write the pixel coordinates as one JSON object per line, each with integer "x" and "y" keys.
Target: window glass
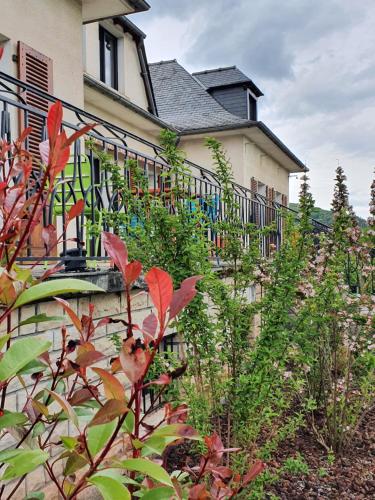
{"x": 108, "y": 58}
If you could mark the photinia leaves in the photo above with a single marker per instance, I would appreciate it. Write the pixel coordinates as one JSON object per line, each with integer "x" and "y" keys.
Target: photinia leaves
{"x": 89, "y": 358}
{"x": 21, "y": 461}
{"x": 54, "y": 120}
{"x": 54, "y": 287}
{"x": 113, "y": 388}
{"x": 12, "y": 419}
{"x": 199, "y": 492}
{"x": 148, "y": 468}
{"x": 67, "y": 408}
{"x": 132, "y": 271}
{"x": 110, "y": 488}
{"x": 1, "y": 52}
{"x": 49, "y": 237}
{"x": 72, "y": 315}
{"x": 134, "y": 360}
{"x": 149, "y": 326}
{"x": 20, "y": 354}
{"x": 253, "y": 472}
{"x": 76, "y": 210}
{"x": 161, "y": 290}
{"x": 79, "y": 133}
{"x": 183, "y": 296}
{"x": 117, "y": 251}
{"x": 111, "y": 410}
{"x": 98, "y": 435}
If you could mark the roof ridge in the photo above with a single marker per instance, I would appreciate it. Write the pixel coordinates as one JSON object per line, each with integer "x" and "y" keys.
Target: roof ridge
{"x": 214, "y": 70}
{"x": 168, "y": 61}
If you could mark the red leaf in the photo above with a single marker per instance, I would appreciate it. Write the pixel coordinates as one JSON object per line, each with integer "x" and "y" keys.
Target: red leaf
{"x": 149, "y": 326}
{"x": 183, "y": 296}
{"x": 111, "y": 410}
{"x": 83, "y": 395}
{"x": 44, "y": 151}
{"x": 49, "y": 237}
{"x": 221, "y": 471}
{"x": 72, "y": 315}
{"x": 199, "y": 492}
{"x": 89, "y": 358}
{"x": 79, "y": 133}
{"x": 253, "y": 472}
{"x": 161, "y": 290}
{"x": 117, "y": 251}
{"x": 176, "y": 415}
{"x": 1, "y": 52}
{"x": 54, "y": 120}
{"x": 76, "y": 210}
{"x": 113, "y": 388}
{"x": 132, "y": 271}
{"x": 24, "y": 134}
{"x": 133, "y": 360}
{"x": 162, "y": 380}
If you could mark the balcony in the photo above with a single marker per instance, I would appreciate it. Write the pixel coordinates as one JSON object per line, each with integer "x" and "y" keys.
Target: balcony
{"x": 85, "y": 179}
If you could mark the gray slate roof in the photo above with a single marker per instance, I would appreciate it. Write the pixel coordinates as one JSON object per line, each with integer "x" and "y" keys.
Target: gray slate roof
{"x": 183, "y": 102}
{"x": 222, "y": 77}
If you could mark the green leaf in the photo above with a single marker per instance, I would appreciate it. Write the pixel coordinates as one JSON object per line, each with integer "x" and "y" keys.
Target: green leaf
{"x": 35, "y": 495}
{"x": 115, "y": 474}
{"x": 156, "y": 445}
{"x": 148, "y": 468}
{"x": 178, "y": 431}
{"x": 20, "y": 353}
{"x": 40, "y": 318}
{"x": 22, "y": 462}
{"x": 74, "y": 463}
{"x": 65, "y": 406}
{"x": 128, "y": 424}
{"x": 98, "y": 435}
{"x": 54, "y": 287}
{"x": 69, "y": 442}
{"x": 12, "y": 419}
{"x": 158, "y": 493}
{"x": 110, "y": 488}
{"x": 3, "y": 340}
{"x": 39, "y": 429}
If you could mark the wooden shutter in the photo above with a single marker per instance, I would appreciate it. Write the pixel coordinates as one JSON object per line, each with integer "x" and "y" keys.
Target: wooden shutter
{"x": 254, "y": 185}
{"x": 34, "y": 68}
{"x": 284, "y": 200}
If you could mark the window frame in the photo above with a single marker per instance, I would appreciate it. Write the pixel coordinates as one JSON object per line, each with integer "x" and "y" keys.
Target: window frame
{"x": 252, "y": 116}
{"x": 104, "y": 35}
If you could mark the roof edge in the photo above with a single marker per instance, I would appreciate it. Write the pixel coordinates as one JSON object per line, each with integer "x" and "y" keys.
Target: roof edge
{"x": 114, "y": 95}
{"x": 140, "y": 5}
{"x": 250, "y": 124}
{"x": 214, "y": 70}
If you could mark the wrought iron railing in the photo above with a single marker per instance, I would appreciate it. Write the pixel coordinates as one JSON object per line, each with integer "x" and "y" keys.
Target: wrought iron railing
{"x": 83, "y": 178}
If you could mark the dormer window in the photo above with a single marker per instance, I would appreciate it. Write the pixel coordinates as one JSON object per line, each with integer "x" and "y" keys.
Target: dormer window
{"x": 252, "y": 113}
{"x": 108, "y": 58}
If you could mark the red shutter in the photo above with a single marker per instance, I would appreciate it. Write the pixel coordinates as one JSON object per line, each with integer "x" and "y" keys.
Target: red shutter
{"x": 254, "y": 185}
{"x": 284, "y": 200}
{"x": 34, "y": 68}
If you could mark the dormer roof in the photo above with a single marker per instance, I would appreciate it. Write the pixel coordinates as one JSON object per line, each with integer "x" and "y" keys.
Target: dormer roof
{"x": 226, "y": 77}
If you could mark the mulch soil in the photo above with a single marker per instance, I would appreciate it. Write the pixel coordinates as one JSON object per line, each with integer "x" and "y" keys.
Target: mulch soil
{"x": 351, "y": 476}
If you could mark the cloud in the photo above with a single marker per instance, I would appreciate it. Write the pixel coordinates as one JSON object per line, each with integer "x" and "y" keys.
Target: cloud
{"x": 315, "y": 62}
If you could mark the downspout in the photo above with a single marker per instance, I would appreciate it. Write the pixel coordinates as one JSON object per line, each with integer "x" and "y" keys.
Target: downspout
{"x": 146, "y": 77}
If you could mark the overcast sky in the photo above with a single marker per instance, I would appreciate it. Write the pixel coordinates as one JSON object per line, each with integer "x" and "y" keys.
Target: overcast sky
{"x": 313, "y": 59}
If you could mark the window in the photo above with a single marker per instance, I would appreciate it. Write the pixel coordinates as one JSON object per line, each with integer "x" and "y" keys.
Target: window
{"x": 108, "y": 58}
{"x": 251, "y": 107}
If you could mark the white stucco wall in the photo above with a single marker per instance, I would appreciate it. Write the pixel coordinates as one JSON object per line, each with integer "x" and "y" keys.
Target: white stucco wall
{"x": 53, "y": 28}
{"x": 130, "y": 81}
{"x": 247, "y": 159}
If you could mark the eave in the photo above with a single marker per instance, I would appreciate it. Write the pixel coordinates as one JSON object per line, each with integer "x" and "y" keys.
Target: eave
{"x": 97, "y": 10}
{"x": 262, "y": 136}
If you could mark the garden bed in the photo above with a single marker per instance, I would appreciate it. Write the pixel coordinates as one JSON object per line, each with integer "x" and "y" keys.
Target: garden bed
{"x": 350, "y": 477}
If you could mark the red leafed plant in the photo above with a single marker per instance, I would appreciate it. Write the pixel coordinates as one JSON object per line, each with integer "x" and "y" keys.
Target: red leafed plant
{"x": 115, "y": 446}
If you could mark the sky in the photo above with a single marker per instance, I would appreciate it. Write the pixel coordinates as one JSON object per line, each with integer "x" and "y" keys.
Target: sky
{"x": 313, "y": 59}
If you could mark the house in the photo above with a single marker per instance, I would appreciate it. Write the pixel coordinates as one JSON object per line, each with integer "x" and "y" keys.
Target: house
{"x": 224, "y": 103}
